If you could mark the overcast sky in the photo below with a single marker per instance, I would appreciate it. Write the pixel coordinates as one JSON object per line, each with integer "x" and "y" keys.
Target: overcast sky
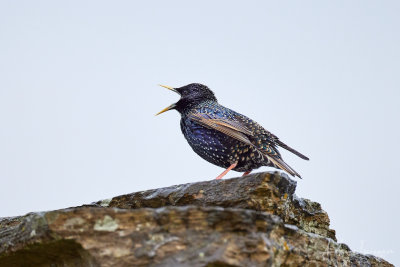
{"x": 78, "y": 94}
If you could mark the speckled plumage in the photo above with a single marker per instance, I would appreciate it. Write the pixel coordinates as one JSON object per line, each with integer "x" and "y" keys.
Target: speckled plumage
{"x": 224, "y": 137}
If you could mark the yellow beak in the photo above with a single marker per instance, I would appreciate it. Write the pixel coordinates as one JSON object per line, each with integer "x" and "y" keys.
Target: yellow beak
{"x": 166, "y": 109}
{"x": 168, "y": 87}
{"x": 171, "y": 106}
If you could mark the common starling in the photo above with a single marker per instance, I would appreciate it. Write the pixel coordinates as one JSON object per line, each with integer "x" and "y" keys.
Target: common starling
{"x": 224, "y": 137}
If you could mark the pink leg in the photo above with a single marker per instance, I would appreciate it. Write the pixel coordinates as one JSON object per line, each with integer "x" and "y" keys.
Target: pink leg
{"x": 226, "y": 171}
{"x": 246, "y": 173}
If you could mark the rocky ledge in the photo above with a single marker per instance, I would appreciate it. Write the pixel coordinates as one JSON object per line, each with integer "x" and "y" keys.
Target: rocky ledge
{"x": 256, "y": 220}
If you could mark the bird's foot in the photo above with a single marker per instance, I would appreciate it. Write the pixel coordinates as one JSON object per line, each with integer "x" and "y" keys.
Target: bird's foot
{"x": 226, "y": 171}
{"x": 246, "y": 173}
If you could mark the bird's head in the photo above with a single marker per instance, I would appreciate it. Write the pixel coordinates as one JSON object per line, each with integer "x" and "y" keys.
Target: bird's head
{"x": 191, "y": 95}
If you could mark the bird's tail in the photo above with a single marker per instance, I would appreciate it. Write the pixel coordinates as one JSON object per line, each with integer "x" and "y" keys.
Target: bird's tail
{"x": 279, "y": 163}
{"x": 285, "y": 146}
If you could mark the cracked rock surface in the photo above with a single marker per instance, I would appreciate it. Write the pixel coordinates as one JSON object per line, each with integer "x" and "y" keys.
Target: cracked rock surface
{"x": 256, "y": 220}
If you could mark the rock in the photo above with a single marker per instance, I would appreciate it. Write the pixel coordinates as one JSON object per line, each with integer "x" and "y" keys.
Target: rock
{"x": 270, "y": 192}
{"x": 252, "y": 221}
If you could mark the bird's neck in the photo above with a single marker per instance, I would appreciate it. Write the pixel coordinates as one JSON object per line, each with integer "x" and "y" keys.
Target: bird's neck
{"x": 196, "y": 105}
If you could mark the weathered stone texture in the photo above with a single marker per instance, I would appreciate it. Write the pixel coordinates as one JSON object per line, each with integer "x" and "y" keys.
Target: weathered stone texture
{"x": 251, "y": 221}
{"x": 270, "y": 192}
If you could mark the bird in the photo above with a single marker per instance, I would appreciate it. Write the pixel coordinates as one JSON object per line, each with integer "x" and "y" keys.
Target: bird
{"x": 225, "y": 137}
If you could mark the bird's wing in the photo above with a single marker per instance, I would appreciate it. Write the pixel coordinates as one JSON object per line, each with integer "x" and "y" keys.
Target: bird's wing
{"x": 237, "y": 130}
{"x": 232, "y": 123}
{"x": 228, "y": 127}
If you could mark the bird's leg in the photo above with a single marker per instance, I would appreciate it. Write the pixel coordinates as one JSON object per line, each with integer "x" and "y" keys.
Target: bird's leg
{"x": 246, "y": 173}
{"x": 226, "y": 171}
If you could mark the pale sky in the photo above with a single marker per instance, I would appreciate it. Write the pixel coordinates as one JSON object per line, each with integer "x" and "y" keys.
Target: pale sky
{"x": 78, "y": 94}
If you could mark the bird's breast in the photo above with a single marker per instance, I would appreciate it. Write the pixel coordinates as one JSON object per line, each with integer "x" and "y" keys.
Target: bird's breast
{"x": 219, "y": 148}
{"x": 206, "y": 142}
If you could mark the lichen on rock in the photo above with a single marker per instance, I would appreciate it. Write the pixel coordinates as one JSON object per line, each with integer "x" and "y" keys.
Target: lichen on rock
{"x": 256, "y": 220}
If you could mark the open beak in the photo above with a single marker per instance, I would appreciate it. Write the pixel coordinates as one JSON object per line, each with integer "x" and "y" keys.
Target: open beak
{"x": 171, "y": 106}
{"x": 166, "y": 109}
{"x": 169, "y": 87}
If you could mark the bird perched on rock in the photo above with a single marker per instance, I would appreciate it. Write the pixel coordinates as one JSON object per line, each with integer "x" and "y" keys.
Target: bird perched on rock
{"x": 224, "y": 137}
